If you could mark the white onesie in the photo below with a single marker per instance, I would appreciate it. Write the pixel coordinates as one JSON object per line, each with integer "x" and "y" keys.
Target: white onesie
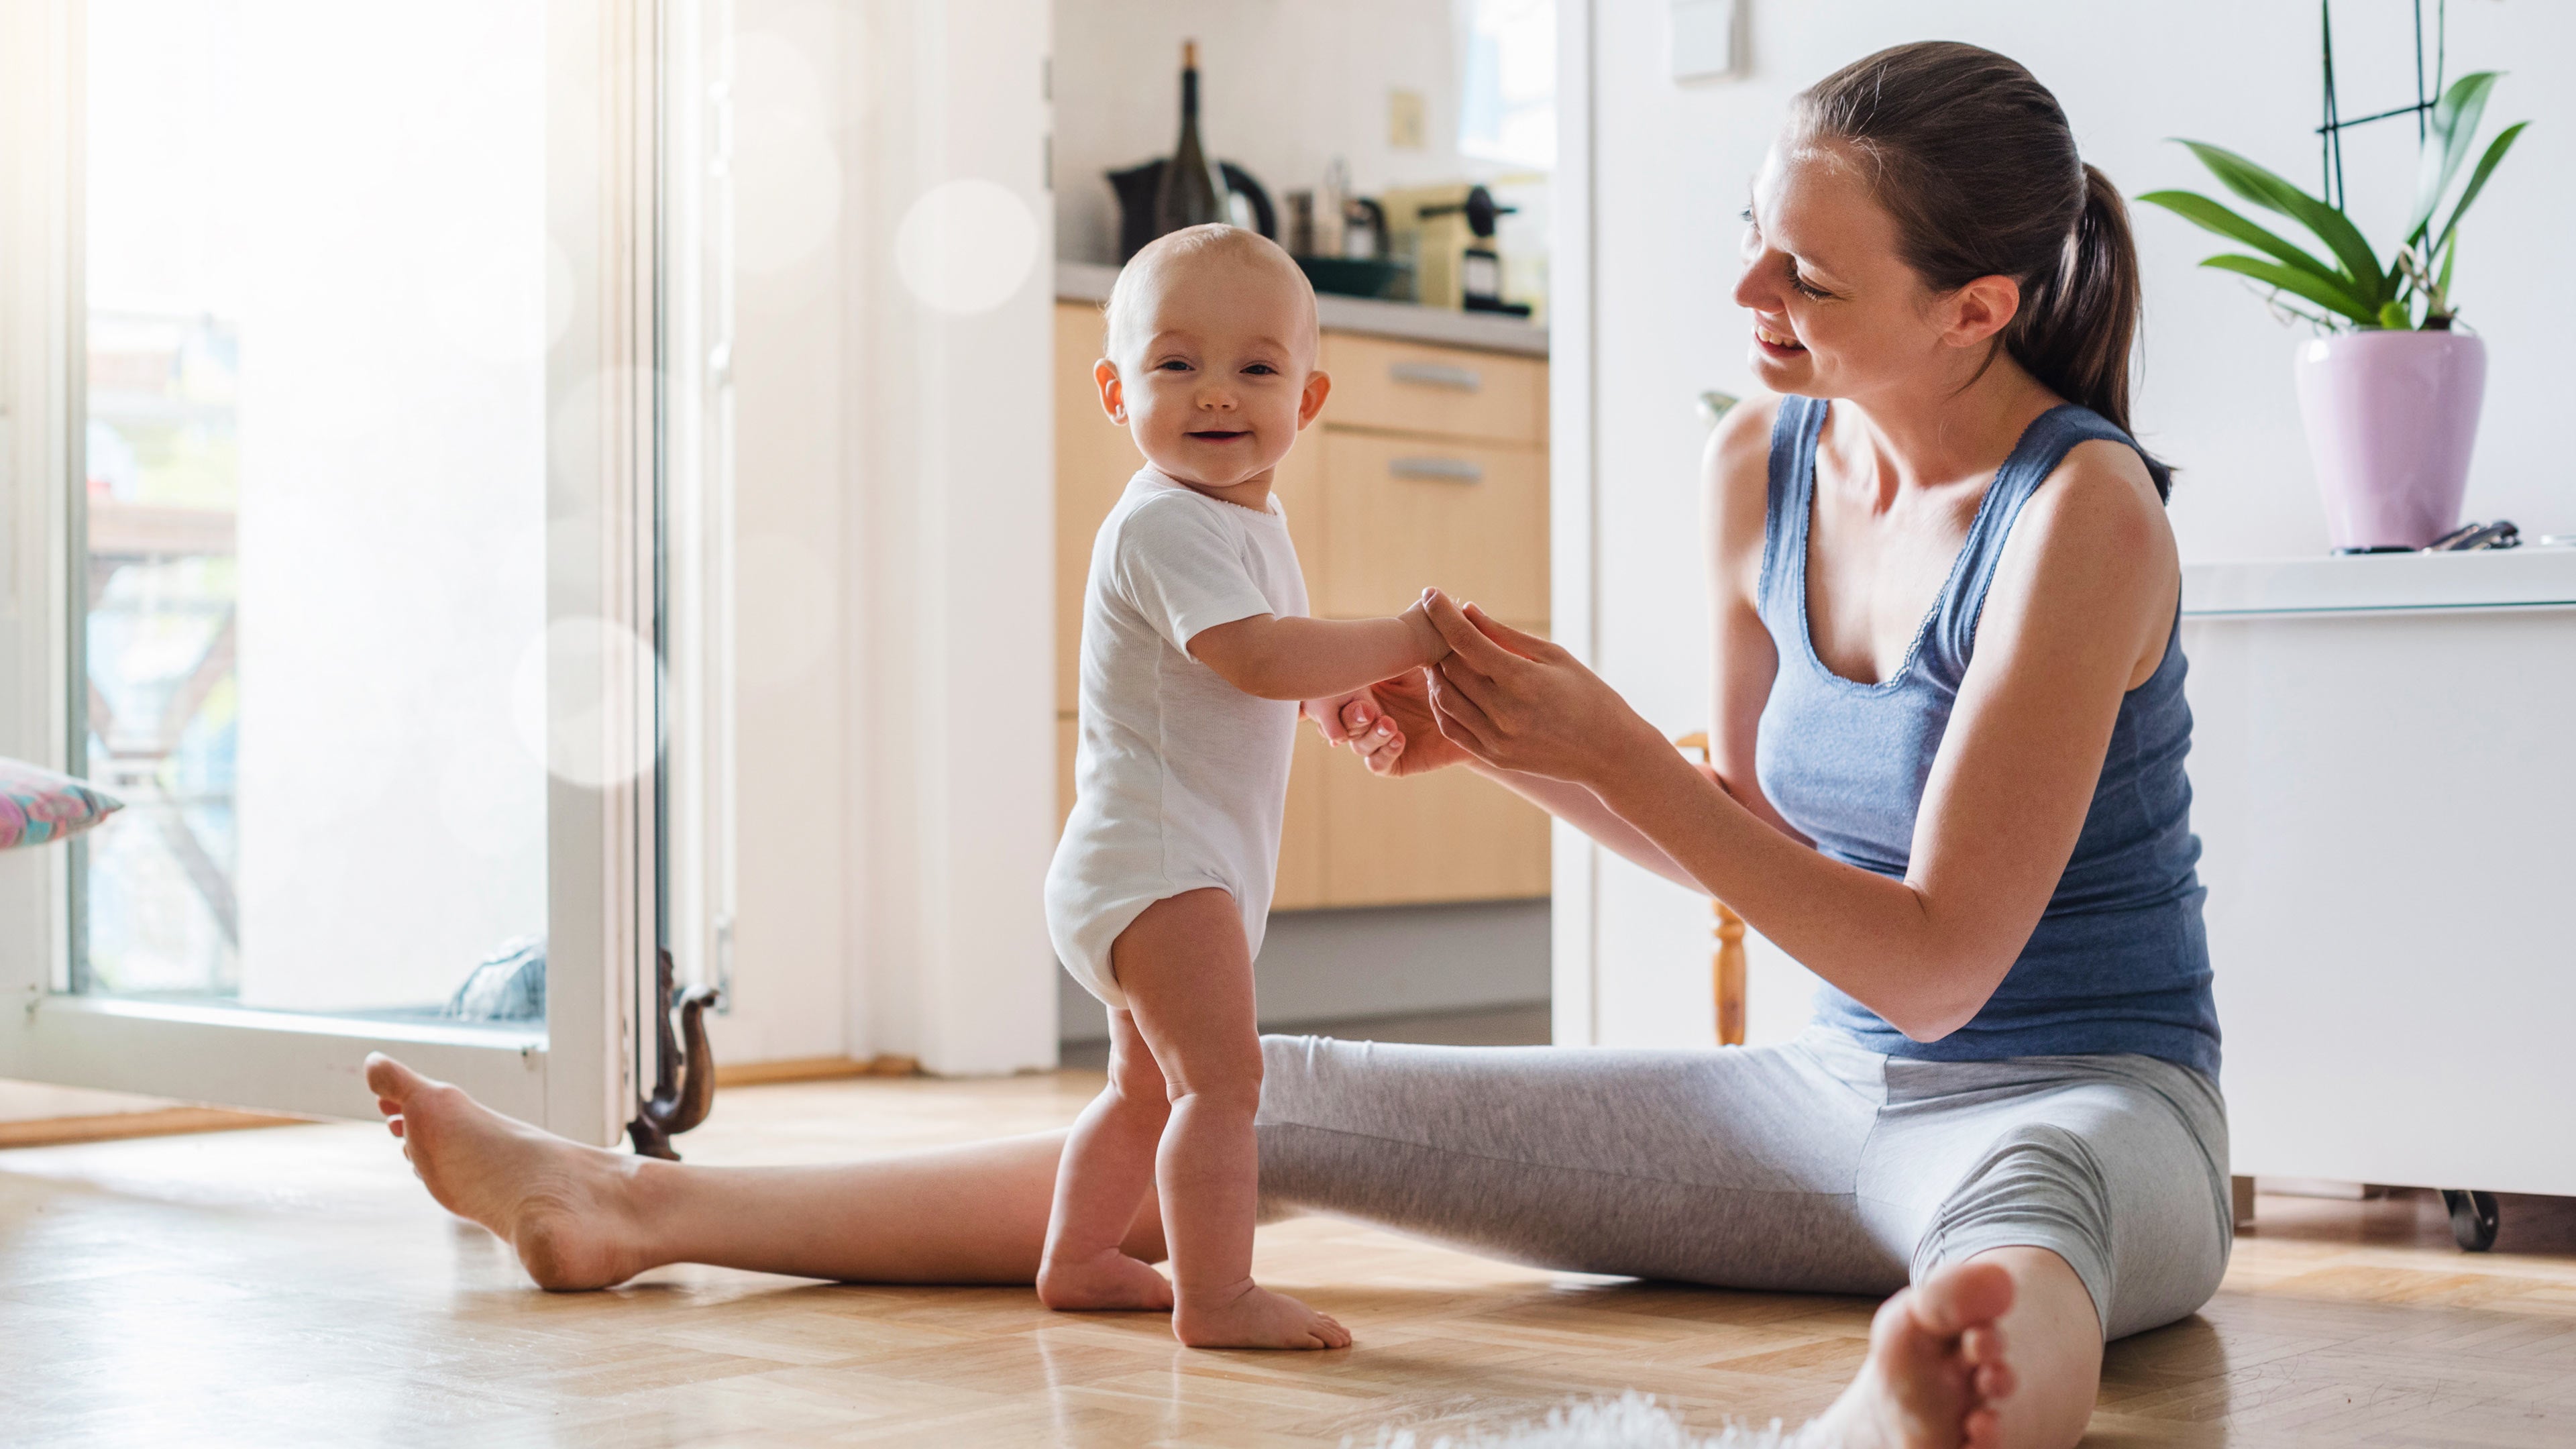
{"x": 1180, "y": 778}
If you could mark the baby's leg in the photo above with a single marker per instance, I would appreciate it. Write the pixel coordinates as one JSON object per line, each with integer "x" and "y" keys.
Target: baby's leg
{"x": 1108, "y": 1164}
{"x": 1188, "y": 979}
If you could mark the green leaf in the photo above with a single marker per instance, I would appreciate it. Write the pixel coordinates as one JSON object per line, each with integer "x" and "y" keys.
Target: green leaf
{"x": 2450, "y": 254}
{"x": 2452, "y": 130}
{"x": 2289, "y": 279}
{"x": 2478, "y": 178}
{"x": 2269, "y": 191}
{"x": 2396, "y": 317}
{"x": 2211, "y": 216}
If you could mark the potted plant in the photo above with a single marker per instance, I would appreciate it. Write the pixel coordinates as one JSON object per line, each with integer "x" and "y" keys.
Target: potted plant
{"x": 2389, "y": 388}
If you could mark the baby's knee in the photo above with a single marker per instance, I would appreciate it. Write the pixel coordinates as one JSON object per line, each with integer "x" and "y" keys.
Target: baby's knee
{"x": 1233, "y": 1087}
{"x": 1140, "y": 1088}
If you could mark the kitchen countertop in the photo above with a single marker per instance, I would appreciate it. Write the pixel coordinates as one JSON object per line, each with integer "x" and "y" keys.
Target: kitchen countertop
{"x": 2524, "y": 578}
{"x": 1090, "y": 282}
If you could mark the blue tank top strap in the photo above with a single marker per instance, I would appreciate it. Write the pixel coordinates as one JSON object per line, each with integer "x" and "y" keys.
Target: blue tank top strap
{"x": 2043, "y": 446}
{"x": 1793, "y": 482}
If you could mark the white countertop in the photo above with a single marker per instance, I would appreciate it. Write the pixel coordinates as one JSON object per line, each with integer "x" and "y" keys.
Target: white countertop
{"x": 2527, "y": 577}
{"x": 1486, "y": 331}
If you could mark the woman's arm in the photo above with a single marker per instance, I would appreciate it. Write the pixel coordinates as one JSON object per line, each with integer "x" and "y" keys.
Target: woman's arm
{"x": 2084, "y": 593}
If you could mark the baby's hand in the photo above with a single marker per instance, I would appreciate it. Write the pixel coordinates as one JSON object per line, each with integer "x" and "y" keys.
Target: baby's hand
{"x": 1335, "y": 717}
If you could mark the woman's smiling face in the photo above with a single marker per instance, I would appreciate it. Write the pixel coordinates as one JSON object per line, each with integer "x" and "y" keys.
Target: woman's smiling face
{"x": 1836, "y": 311}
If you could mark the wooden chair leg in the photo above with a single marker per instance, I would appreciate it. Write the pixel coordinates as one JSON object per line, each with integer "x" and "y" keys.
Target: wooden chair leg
{"x": 1729, "y": 966}
{"x": 1726, "y": 966}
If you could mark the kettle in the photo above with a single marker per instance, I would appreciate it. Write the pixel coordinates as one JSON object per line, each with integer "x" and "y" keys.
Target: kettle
{"x": 1136, "y": 187}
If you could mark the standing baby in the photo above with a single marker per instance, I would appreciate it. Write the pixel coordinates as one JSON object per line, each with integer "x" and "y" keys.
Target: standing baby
{"x": 1197, "y": 658}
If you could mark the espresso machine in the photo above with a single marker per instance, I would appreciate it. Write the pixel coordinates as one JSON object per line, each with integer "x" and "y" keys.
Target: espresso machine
{"x": 1447, "y": 233}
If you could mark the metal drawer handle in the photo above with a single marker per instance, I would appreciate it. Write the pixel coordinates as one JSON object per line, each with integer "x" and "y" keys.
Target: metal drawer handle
{"x": 1437, "y": 374}
{"x": 1446, "y": 470}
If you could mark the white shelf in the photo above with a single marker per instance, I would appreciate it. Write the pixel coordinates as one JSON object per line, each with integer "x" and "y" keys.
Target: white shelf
{"x": 2520, "y": 578}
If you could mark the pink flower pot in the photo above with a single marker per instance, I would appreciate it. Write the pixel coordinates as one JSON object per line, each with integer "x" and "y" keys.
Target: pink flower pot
{"x": 2391, "y": 417}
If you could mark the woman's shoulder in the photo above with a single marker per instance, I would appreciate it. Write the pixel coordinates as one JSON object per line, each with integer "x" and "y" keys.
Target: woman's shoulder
{"x": 1737, "y": 458}
{"x": 2100, "y": 489}
{"x": 2095, "y": 526}
{"x": 1735, "y": 481}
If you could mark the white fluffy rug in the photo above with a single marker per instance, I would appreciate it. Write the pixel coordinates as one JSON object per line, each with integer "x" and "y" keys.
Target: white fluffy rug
{"x": 1631, "y": 1421}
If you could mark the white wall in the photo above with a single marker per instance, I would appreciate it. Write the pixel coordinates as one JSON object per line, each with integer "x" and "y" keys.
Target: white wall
{"x": 1284, "y": 87}
{"x": 791, "y": 165}
{"x": 2216, "y": 399}
{"x": 895, "y": 768}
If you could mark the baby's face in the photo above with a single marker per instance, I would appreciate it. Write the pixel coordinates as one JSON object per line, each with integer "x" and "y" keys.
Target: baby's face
{"x": 1215, "y": 373}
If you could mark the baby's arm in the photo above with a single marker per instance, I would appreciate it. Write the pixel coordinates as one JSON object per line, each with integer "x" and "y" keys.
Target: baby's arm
{"x": 1304, "y": 659}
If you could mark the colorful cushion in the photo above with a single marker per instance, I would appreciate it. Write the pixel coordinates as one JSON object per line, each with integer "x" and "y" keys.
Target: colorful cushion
{"x": 38, "y": 805}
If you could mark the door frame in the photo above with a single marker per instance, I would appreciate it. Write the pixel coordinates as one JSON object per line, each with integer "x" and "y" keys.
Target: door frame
{"x": 603, "y": 384}
{"x": 1573, "y": 512}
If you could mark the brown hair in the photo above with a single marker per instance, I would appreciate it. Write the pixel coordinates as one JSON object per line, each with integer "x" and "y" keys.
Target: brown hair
{"x": 1973, "y": 158}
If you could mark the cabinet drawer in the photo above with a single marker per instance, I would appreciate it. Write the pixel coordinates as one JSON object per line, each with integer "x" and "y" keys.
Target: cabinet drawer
{"x": 1401, "y": 513}
{"x": 1408, "y": 387}
{"x": 1451, "y": 835}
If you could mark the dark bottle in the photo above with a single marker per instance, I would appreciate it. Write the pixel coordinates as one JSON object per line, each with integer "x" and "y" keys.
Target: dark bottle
{"x": 1190, "y": 192}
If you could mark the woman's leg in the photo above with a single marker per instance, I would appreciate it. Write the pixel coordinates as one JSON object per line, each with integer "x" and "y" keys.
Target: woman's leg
{"x": 1734, "y": 1168}
{"x": 584, "y": 1217}
{"x": 1106, "y": 1170}
{"x": 2098, "y": 1185}
{"x": 1998, "y": 1351}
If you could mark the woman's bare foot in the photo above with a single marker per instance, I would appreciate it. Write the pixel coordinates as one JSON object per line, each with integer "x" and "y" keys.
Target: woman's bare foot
{"x": 557, "y": 1202}
{"x": 1108, "y": 1279}
{"x": 1936, "y": 1367}
{"x": 1255, "y": 1317}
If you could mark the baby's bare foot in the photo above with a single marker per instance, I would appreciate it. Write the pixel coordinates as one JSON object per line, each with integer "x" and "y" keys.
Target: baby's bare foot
{"x": 1937, "y": 1366}
{"x": 1107, "y": 1280}
{"x": 555, "y": 1201}
{"x": 1255, "y": 1317}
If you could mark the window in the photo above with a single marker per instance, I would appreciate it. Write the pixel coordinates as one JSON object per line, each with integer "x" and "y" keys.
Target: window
{"x": 316, "y": 270}
{"x": 1507, "y": 110}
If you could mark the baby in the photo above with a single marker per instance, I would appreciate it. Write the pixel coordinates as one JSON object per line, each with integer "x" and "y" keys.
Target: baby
{"x": 1197, "y": 658}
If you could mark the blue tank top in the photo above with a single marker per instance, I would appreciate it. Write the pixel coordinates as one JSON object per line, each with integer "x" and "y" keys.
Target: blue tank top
{"x": 2119, "y": 961}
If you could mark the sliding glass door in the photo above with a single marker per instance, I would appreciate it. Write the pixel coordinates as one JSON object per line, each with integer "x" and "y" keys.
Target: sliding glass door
{"x": 356, "y": 549}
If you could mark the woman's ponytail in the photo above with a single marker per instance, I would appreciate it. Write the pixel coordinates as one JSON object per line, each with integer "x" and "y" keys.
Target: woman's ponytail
{"x": 2075, "y": 328}
{"x": 1973, "y": 158}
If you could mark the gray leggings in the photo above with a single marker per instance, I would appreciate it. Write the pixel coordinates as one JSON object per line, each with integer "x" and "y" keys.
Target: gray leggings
{"x": 1813, "y": 1166}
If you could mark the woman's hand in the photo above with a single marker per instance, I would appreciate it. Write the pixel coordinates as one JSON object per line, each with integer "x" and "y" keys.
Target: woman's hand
{"x": 1517, "y": 702}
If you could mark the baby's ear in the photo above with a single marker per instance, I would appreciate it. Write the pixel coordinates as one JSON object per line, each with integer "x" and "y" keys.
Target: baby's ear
{"x": 1113, "y": 391}
{"x": 1319, "y": 385}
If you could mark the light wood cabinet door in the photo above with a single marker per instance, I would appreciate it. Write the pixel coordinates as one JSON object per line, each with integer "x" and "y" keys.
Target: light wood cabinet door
{"x": 1451, "y": 835}
{"x": 1401, "y": 513}
{"x": 1408, "y": 387}
{"x": 1302, "y": 835}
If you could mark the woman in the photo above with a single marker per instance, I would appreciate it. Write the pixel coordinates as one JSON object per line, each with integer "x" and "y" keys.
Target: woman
{"x": 1947, "y": 778}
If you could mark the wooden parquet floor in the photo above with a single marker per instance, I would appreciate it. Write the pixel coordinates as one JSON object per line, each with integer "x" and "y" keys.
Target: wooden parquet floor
{"x": 293, "y": 1285}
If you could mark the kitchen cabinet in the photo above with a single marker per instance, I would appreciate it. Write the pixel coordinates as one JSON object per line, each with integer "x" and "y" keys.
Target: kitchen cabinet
{"x": 1429, "y": 466}
{"x": 2383, "y": 770}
